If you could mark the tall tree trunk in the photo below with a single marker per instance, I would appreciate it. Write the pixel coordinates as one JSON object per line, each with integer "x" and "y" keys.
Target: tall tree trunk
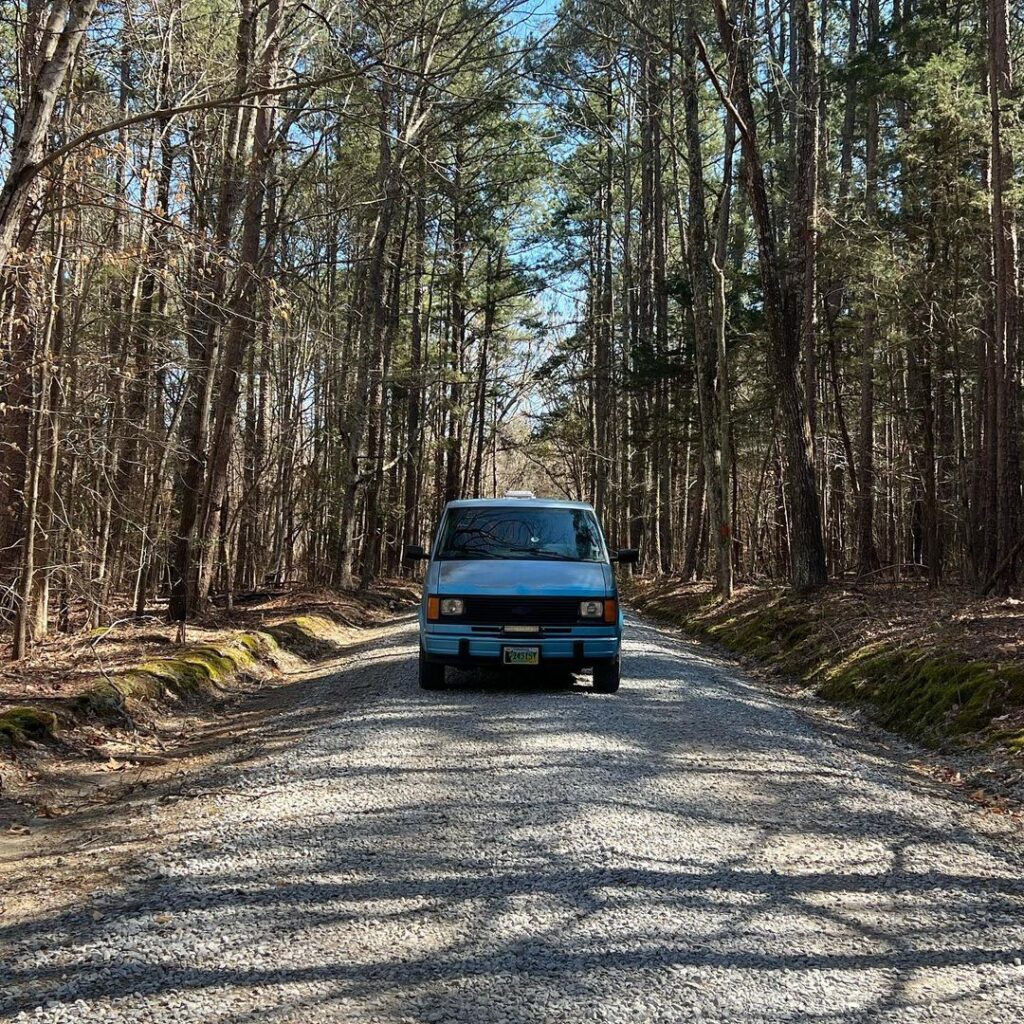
{"x": 804, "y": 214}
{"x": 867, "y": 552}
{"x": 373, "y": 322}
{"x": 203, "y": 332}
{"x": 785, "y": 308}
{"x": 413, "y": 428}
{"x": 706, "y": 280}
{"x": 239, "y": 334}
{"x": 1006, "y": 344}
{"x": 61, "y": 30}
{"x": 453, "y": 446}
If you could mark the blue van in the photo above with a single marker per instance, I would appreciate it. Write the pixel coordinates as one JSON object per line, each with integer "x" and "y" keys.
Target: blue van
{"x": 520, "y": 582}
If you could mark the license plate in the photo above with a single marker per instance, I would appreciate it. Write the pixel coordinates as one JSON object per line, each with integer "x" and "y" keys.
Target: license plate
{"x": 521, "y": 655}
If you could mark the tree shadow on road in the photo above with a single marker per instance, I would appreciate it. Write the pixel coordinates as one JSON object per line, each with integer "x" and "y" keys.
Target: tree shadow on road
{"x": 690, "y": 842}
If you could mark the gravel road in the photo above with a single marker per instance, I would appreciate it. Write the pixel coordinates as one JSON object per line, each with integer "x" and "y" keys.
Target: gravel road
{"x": 692, "y": 849}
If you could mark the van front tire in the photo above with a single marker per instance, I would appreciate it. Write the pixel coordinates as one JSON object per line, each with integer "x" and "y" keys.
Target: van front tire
{"x": 606, "y": 676}
{"x": 431, "y": 674}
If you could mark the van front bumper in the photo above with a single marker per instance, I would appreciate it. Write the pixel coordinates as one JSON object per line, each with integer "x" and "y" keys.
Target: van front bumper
{"x": 467, "y": 649}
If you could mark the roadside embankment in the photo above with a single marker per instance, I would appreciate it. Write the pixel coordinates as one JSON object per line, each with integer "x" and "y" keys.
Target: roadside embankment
{"x": 86, "y": 711}
{"x": 940, "y": 667}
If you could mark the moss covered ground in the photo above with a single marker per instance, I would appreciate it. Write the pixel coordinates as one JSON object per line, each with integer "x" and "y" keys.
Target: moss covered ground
{"x": 93, "y": 715}
{"x": 19, "y": 724}
{"x": 188, "y": 675}
{"x": 924, "y": 679}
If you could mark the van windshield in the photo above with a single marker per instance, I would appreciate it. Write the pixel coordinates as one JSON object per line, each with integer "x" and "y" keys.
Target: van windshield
{"x": 553, "y": 534}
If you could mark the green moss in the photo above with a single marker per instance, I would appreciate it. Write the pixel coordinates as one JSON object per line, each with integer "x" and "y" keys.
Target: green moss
{"x": 205, "y": 669}
{"x": 199, "y": 669}
{"x": 769, "y": 632}
{"x": 256, "y": 643}
{"x": 309, "y": 636}
{"x": 1014, "y": 742}
{"x": 194, "y": 672}
{"x": 21, "y": 723}
{"x": 178, "y": 676}
{"x": 101, "y": 700}
{"x": 931, "y": 695}
{"x": 138, "y": 685}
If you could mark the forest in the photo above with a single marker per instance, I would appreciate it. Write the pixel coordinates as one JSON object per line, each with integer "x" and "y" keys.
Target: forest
{"x": 278, "y": 279}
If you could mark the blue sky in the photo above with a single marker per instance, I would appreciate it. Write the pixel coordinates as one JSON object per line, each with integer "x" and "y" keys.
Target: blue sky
{"x": 534, "y": 16}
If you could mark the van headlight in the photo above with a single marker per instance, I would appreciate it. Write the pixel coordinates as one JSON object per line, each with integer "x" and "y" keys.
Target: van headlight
{"x": 452, "y": 606}
{"x": 592, "y": 610}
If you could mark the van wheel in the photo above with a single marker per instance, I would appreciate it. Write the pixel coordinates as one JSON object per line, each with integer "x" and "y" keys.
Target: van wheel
{"x": 431, "y": 674}
{"x": 606, "y": 676}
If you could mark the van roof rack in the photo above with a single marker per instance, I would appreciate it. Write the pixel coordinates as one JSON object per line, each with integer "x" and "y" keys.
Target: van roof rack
{"x": 520, "y": 494}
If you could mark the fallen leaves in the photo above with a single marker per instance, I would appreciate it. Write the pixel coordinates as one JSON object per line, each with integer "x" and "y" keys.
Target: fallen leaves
{"x": 939, "y": 772}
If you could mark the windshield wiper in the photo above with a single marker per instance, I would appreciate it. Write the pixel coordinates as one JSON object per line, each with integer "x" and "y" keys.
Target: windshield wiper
{"x": 552, "y": 556}
{"x": 467, "y": 555}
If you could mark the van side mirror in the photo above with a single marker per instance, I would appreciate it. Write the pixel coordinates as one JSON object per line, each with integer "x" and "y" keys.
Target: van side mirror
{"x": 414, "y": 553}
{"x": 627, "y": 556}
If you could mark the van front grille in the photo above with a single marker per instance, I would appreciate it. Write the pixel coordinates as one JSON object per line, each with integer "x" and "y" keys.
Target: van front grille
{"x": 526, "y": 611}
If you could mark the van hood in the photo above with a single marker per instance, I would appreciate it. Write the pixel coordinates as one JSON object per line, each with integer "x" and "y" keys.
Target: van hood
{"x": 535, "y": 577}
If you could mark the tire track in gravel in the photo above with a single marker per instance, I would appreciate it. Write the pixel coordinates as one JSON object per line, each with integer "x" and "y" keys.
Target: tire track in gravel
{"x": 509, "y": 850}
